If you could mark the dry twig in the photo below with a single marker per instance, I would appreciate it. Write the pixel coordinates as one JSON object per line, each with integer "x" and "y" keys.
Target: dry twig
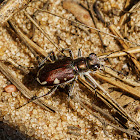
{"x": 104, "y": 123}
{"x": 31, "y": 45}
{"x": 119, "y": 84}
{"x": 123, "y": 17}
{"x": 119, "y": 53}
{"x": 9, "y": 7}
{"x": 124, "y": 79}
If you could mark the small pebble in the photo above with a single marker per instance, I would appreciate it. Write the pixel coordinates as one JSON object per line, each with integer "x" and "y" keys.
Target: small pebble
{"x": 10, "y": 88}
{"x": 64, "y": 118}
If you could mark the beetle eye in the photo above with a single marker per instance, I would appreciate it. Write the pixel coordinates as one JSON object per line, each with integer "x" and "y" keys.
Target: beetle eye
{"x": 92, "y": 56}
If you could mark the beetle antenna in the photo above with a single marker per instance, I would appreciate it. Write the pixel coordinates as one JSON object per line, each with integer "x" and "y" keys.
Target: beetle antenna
{"x": 42, "y": 31}
{"x": 82, "y": 24}
{"x": 119, "y": 72}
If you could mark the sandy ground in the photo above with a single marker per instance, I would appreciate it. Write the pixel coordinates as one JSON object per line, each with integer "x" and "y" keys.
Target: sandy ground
{"x": 38, "y": 123}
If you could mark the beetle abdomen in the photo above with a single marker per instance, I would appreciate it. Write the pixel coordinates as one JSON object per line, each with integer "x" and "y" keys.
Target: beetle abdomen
{"x": 52, "y": 74}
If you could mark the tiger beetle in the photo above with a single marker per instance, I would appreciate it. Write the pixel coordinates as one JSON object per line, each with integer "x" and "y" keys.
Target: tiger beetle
{"x": 63, "y": 70}
{"x": 66, "y": 69}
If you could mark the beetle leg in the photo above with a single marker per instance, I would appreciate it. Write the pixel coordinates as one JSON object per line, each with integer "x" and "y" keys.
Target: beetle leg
{"x": 79, "y": 53}
{"x": 50, "y": 92}
{"x": 70, "y": 88}
{"x": 51, "y": 57}
{"x": 69, "y": 50}
{"x": 35, "y": 97}
{"x": 91, "y": 83}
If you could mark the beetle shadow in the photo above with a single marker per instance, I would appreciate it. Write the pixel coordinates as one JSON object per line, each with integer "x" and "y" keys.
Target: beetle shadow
{"x": 29, "y": 80}
{"x": 9, "y": 132}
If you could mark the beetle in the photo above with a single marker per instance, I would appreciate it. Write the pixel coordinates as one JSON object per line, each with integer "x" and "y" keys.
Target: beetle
{"x": 65, "y": 70}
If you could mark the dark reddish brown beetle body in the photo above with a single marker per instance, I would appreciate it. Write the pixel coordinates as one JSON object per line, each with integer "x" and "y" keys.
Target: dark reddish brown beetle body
{"x": 65, "y": 70}
{"x": 56, "y": 73}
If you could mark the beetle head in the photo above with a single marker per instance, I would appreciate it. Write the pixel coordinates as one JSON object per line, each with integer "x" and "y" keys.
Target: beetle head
{"x": 93, "y": 62}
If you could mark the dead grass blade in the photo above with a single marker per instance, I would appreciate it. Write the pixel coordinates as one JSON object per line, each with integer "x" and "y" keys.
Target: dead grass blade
{"x": 125, "y": 45}
{"x": 119, "y": 84}
{"x": 110, "y": 100}
{"x": 28, "y": 42}
{"x": 104, "y": 123}
{"x": 123, "y": 17}
{"x": 124, "y": 79}
{"x": 119, "y": 53}
{"x": 39, "y": 28}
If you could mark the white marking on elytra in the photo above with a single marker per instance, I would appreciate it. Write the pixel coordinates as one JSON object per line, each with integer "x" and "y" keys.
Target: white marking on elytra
{"x": 42, "y": 83}
{"x": 56, "y": 81}
{"x": 65, "y": 79}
